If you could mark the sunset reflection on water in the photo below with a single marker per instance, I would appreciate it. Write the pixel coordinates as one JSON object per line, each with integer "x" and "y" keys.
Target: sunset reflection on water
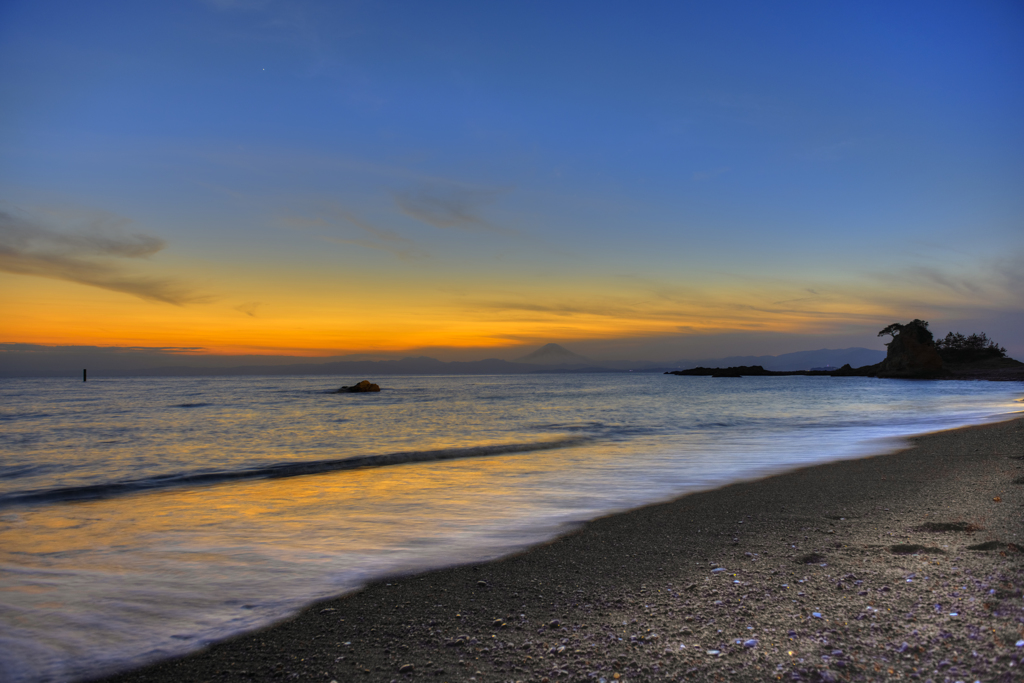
{"x": 160, "y": 571}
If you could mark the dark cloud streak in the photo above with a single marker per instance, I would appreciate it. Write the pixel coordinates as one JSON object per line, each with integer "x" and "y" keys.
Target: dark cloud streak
{"x": 249, "y": 308}
{"x": 446, "y": 208}
{"x": 373, "y": 237}
{"x": 28, "y": 248}
{"x": 959, "y": 285}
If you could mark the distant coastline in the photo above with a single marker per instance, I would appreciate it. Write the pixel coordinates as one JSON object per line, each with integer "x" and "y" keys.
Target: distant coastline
{"x": 23, "y": 360}
{"x": 997, "y": 370}
{"x": 29, "y": 360}
{"x": 913, "y": 353}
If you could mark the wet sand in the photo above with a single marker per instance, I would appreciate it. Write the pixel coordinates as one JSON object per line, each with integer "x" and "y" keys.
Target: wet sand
{"x": 896, "y": 567}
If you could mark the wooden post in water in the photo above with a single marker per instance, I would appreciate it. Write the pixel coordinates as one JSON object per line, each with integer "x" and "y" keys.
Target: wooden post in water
{"x": 84, "y": 375}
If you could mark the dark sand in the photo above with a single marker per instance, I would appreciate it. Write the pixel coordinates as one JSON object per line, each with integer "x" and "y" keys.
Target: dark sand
{"x": 847, "y": 571}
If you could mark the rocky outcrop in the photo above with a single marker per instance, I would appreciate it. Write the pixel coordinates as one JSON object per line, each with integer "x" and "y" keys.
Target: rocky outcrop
{"x": 863, "y": 371}
{"x": 737, "y": 371}
{"x": 361, "y": 387}
{"x": 992, "y": 369}
{"x": 911, "y": 353}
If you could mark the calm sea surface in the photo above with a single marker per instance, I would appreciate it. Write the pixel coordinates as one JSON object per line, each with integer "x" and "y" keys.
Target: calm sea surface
{"x": 145, "y": 517}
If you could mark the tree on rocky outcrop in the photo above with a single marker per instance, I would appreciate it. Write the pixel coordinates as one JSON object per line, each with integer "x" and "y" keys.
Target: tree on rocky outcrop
{"x": 957, "y": 348}
{"x": 911, "y": 353}
{"x": 919, "y": 328}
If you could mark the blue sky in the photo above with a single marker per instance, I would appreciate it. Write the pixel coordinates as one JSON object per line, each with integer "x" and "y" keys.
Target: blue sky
{"x": 655, "y": 177}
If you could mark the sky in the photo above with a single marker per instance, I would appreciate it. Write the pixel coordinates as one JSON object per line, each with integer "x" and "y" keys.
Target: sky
{"x": 467, "y": 180}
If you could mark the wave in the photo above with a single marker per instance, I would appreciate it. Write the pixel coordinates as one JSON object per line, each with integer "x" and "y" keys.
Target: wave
{"x": 275, "y": 471}
{"x": 595, "y": 428}
{"x": 24, "y": 470}
{"x": 191, "y": 405}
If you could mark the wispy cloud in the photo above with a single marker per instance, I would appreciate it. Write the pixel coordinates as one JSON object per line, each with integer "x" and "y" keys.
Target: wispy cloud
{"x": 21, "y": 347}
{"x": 794, "y": 301}
{"x": 603, "y": 309}
{"x": 249, "y": 308}
{"x": 958, "y": 285}
{"x": 982, "y": 284}
{"x": 404, "y": 254}
{"x": 29, "y": 248}
{"x": 448, "y": 207}
{"x": 369, "y": 236}
{"x": 1010, "y": 273}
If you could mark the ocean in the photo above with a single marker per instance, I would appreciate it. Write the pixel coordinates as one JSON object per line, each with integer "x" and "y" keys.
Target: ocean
{"x": 143, "y": 518}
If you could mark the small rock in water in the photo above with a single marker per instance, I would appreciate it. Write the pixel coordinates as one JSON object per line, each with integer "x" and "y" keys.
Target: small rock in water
{"x": 406, "y": 669}
{"x": 554, "y": 623}
{"x": 360, "y": 387}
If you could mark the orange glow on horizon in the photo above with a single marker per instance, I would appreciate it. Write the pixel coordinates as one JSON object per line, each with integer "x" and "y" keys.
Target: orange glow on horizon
{"x": 279, "y": 321}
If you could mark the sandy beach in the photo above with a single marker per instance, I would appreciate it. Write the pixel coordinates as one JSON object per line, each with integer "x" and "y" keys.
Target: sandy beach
{"x": 901, "y": 566}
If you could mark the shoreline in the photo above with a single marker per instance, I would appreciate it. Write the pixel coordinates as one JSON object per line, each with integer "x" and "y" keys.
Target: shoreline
{"x": 616, "y": 598}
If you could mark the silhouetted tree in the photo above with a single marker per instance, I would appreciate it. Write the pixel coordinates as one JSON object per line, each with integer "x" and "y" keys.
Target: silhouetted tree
{"x": 956, "y": 348}
{"x": 919, "y": 328}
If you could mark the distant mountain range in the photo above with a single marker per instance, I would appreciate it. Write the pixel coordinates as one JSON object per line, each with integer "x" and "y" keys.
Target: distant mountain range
{"x": 48, "y": 362}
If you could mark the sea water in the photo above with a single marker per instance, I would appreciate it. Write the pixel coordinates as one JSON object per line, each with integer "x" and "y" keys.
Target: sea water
{"x": 142, "y": 518}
